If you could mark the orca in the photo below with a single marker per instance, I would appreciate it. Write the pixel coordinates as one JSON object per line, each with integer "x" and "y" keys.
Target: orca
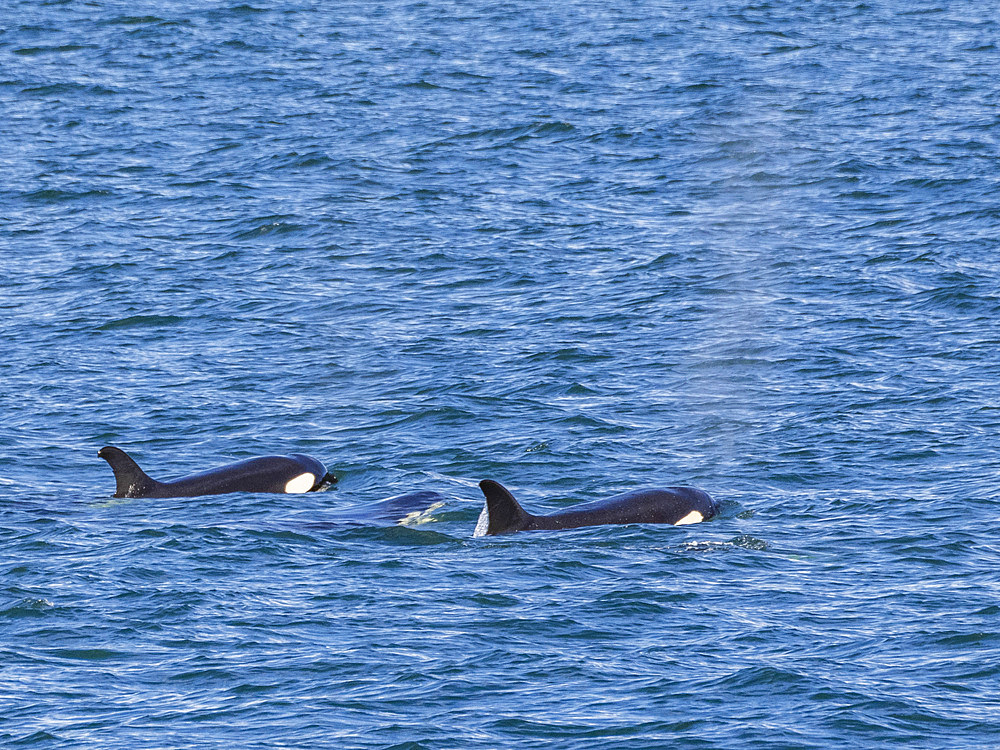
{"x": 409, "y": 509}
{"x": 293, "y": 473}
{"x": 679, "y": 506}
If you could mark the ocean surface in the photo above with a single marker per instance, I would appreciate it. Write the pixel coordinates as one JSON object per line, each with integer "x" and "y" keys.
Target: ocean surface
{"x": 574, "y": 247}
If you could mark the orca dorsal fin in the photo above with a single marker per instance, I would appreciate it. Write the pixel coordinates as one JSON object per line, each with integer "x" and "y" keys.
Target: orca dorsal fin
{"x": 505, "y": 515}
{"x": 130, "y": 480}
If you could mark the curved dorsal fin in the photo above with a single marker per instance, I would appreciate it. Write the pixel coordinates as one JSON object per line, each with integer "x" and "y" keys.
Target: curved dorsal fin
{"x": 130, "y": 480}
{"x": 504, "y": 512}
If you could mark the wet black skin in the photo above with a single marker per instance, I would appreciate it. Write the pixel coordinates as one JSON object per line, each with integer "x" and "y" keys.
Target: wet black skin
{"x": 261, "y": 474}
{"x": 667, "y": 505}
{"x": 391, "y": 510}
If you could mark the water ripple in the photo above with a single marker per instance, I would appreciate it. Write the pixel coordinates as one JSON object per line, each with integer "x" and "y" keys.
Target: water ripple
{"x": 579, "y": 249}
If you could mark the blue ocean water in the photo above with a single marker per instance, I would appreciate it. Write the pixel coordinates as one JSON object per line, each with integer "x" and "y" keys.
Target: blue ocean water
{"x": 750, "y": 247}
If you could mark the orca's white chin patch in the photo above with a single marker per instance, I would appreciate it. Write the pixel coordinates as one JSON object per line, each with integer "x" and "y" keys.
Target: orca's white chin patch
{"x": 692, "y": 517}
{"x": 301, "y": 483}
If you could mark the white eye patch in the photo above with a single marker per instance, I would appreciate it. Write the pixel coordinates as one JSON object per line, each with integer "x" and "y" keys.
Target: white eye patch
{"x": 692, "y": 517}
{"x": 301, "y": 483}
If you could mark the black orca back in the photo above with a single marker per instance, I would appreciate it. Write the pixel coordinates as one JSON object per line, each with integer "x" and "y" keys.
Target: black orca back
{"x": 678, "y": 506}
{"x": 293, "y": 473}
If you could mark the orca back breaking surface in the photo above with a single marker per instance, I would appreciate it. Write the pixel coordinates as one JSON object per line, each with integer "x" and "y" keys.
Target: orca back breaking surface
{"x": 409, "y": 509}
{"x": 678, "y": 506}
{"x": 294, "y": 473}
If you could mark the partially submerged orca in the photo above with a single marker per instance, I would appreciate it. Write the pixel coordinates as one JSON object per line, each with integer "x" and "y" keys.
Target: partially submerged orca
{"x": 293, "y": 473}
{"x": 410, "y": 509}
{"x": 674, "y": 505}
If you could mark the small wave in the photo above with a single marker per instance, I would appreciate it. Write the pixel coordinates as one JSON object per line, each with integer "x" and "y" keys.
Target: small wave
{"x": 504, "y": 137}
{"x": 30, "y": 607}
{"x": 69, "y": 88}
{"x": 422, "y": 85}
{"x": 141, "y": 321}
{"x": 201, "y": 675}
{"x": 744, "y": 541}
{"x": 132, "y": 20}
{"x": 243, "y": 9}
{"x": 263, "y": 230}
{"x": 402, "y": 536}
{"x": 89, "y": 654}
{"x": 33, "y": 51}
{"x": 41, "y": 737}
{"x": 50, "y": 195}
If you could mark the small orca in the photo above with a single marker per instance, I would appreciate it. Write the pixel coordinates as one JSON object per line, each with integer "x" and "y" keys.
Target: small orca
{"x": 409, "y": 509}
{"x": 292, "y": 473}
{"x": 679, "y": 506}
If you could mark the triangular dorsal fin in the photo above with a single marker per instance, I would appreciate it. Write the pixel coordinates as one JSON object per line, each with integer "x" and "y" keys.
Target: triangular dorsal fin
{"x": 130, "y": 480}
{"x": 504, "y": 513}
